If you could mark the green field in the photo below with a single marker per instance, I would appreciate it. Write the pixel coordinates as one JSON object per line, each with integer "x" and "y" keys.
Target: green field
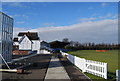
{"x": 110, "y": 57}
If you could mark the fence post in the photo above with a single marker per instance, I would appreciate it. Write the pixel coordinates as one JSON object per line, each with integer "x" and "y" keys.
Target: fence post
{"x": 84, "y": 65}
{"x": 117, "y": 75}
{"x": 105, "y": 71}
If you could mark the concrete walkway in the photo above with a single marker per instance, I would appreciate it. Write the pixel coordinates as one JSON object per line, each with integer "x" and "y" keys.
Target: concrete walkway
{"x": 56, "y": 71}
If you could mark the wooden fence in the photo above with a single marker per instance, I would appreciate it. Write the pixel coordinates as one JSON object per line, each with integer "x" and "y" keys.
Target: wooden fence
{"x": 90, "y": 66}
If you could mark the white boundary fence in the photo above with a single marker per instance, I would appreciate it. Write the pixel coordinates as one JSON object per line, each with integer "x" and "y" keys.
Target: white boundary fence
{"x": 117, "y": 75}
{"x": 93, "y": 67}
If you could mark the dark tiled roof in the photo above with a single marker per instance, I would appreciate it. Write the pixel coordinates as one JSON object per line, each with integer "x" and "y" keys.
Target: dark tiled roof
{"x": 44, "y": 42}
{"x": 30, "y": 35}
{"x": 58, "y": 44}
{"x": 15, "y": 39}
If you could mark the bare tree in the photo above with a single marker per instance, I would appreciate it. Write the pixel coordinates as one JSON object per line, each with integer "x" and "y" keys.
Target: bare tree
{"x": 66, "y": 40}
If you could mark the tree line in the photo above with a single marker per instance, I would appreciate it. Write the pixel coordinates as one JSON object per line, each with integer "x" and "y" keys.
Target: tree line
{"x": 90, "y": 46}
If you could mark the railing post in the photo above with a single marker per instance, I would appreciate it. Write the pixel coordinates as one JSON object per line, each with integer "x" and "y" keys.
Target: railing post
{"x": 84, "y": 65}
{"x": 117, "y": 75}
{"x": 105, "y": 71}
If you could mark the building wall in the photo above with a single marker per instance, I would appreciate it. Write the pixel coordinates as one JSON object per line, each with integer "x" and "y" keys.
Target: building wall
{"x": 36, "y": 45}
{"x": 19, "y": 37}
{"x": 20, "y": 52}
{"x": 25, "y": 44}
{"x": 16, "y": 43}
{"x": 6, "y": 35}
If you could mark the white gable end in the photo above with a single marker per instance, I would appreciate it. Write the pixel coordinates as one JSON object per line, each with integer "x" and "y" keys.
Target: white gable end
{"x": 25, "y": 43}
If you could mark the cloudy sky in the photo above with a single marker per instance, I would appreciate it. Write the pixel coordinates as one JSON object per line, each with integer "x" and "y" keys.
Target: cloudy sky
{"x": 79, "y": 21}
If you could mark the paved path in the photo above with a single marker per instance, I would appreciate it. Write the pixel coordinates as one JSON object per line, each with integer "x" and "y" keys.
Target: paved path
{"x": 56, "y": 71}
{"x": 74, "y": 73}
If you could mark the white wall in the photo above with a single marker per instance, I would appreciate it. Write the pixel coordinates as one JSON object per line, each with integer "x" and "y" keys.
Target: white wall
{"x": 36, "y": 45}
{"x": 19, "y": 37}
{"x": 16, "y": 43}
{"x": 44, "y": 52}
{"x": 25, "y": 44}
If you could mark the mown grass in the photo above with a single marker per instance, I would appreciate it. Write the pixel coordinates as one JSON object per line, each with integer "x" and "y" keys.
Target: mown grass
{"x": 110, "y": 57}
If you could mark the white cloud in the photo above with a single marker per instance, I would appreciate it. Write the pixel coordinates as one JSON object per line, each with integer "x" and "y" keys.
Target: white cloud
{"x": 109, "y": 15}
{"x": 15, "y": 4}
{"x": 16, "y": 15}
{"x": 87, "y": 31}
{"x": 16, "y": 30}
{"x": 104, "y": 4}
{"x": 20, "y": 15}
{"x": 97, "y": 31}
{"x": 90, "y": 8}
{"x": 20, "y": 22}
{"x": 25, "y": 16}
{"x": 88, "y": 19}
{"x": 115, "y": 16}
{"x": 48, "y": 24}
